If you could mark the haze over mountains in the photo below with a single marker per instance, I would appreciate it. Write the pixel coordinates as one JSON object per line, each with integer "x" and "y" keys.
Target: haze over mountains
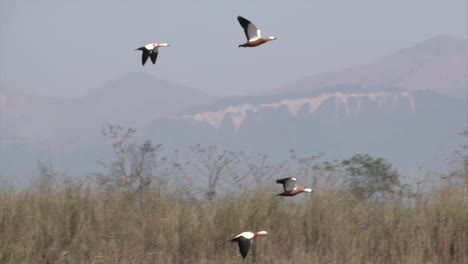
{"x": 133, "y": 100}
{"x": 439, "y": 64}
{"x": 408, "y": 107}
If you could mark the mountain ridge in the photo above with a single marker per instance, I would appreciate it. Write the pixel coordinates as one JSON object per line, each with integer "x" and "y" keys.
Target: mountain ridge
{"x": 439, "y": 64}
{"x": 342, "y": 113}
{"x": 131, "y": 99}
{"x": 342, "y": 99}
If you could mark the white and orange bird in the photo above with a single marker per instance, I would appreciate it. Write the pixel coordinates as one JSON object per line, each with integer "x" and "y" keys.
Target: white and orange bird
{"x": 151, "y": 51}
{"x": 245, "y": 240}
{"x": 252, "y": 33}
{"x": 290, "y": 188}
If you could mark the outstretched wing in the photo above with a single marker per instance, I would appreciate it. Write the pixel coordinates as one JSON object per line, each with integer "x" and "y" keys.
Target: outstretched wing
{"x": 154, "y": 55}
{"x": 251, "y": 31}
{"x": 144, "y": 57}
{"x": 289, "y": 184}
{"x": 145, "y": 54}
{"x": 244, "y": 245}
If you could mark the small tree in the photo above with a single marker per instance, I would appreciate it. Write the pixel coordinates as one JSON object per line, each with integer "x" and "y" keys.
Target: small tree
{"x": 136, "y": 167}
{"x": 371, "y": 178}
{"x": 459, "y": 164}
{"x": 208, "y": 168}
{"x": 47, "y": 177}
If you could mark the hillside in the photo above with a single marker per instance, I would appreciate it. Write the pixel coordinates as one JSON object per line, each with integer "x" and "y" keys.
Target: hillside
{"x": 439, "y": 64}
{"x": 67, "y": 130}
{"x": 406, "y": 127}
{"x": 133, "y": 100}
{"x": 406, "y": 107}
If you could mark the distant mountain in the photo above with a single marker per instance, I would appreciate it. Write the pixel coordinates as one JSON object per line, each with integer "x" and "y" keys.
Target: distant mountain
{"x": 136, "y": 98}
{"x": 439, "y": 64}
{"x": 345, "y": 103}
{"x": 407, "y": 107}
{"x": 408, "y": 128}
{"x": 130, "y": 100}
{"x": 26, "y": 116}
{"x": 34, "y": 128}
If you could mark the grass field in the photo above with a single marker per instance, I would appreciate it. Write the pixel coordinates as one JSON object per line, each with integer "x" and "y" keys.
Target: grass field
{"x": 68, "y": 222}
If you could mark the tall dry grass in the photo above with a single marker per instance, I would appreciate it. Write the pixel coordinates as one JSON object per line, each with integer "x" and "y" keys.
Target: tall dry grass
{"x": 72, "y": 223}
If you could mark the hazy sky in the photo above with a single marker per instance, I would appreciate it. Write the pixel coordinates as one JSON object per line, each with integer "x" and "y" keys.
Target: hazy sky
{"x": 66, "y": 48}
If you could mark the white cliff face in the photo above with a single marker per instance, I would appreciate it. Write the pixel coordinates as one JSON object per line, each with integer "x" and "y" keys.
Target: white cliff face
{"x": 238, "y": 113}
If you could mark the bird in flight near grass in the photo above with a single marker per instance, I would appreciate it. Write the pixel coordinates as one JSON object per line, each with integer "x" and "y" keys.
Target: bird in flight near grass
{"x": 245, "y": 240}
{"x": 290, "y": 187}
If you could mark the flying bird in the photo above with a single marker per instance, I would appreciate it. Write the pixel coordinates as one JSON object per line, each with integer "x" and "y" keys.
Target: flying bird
{"x": 252, "y": 33}
{"x": 245, "y": 240}
{"x": 151, "y": 51}
{"x": 290, "y": 187}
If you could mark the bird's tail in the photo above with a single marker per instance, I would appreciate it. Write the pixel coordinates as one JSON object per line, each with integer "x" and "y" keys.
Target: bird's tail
{"x": 230, "y": 240}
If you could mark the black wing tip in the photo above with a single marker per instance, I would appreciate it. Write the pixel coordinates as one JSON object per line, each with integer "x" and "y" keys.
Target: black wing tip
{"x": 243, "y": 21}
{"x": 144, "y": 57}
{"x": 244, "y": 247}
{"x": 153, "y": 57}
{"x": 282, "y": 180}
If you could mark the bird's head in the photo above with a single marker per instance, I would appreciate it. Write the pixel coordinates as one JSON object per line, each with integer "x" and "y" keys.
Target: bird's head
{"x": 271, "y": 38}
{"x": 260, "y": 233}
